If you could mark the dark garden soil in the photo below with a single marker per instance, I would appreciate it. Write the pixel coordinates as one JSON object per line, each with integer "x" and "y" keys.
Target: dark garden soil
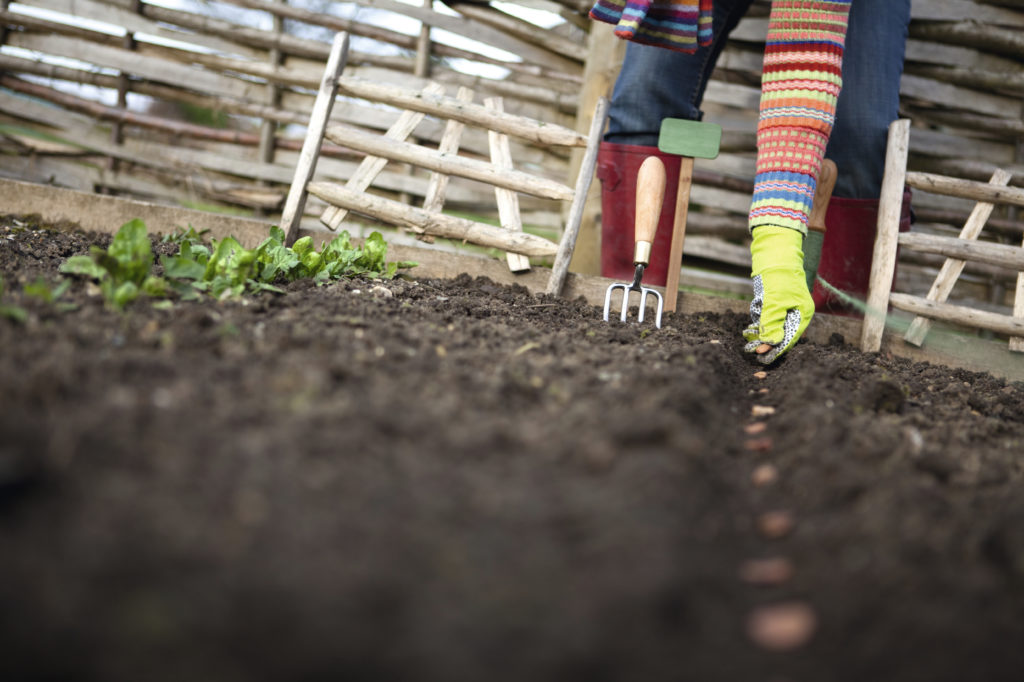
{"x": 455, "y": 480}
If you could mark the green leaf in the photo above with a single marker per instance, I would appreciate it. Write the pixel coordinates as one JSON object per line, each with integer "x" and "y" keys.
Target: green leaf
{"x": 156, "y": 287}
{"x": 312, "y": 262}
{"x": 131, "y": 249}
{"x": 375, "y": 249}
{"x": 84, "y": 266}
{"x": 182, "y": 267}
{"x": 124, "y": 294}
{"x": 13, "y": 312}
{"x": 303, "y": 246}
{"x": 256, "y": 286}
{"x": 42, "y": 290}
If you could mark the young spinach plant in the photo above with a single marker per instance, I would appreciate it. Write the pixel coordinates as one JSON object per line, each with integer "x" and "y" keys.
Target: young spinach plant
{"x": 225, "y": 268}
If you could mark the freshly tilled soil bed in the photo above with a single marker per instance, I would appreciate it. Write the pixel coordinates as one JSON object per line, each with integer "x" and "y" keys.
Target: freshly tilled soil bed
{"x": 456, "y": 480}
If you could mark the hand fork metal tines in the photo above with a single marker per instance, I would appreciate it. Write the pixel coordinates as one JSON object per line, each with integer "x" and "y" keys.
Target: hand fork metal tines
{"x": 650, "y": 192}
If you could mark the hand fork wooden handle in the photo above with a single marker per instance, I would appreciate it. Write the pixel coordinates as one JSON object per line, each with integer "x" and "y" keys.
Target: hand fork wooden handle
{"x": 650, "y": 193}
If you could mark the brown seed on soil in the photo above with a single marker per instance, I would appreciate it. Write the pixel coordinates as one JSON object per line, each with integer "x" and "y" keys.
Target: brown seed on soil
{"x": 758, "y": 444}
{"x": 775, "y": 524}
{"x": 767, "y": 572}
{"x": 766, "y": 474}
{"x": 782, "y": 627}
{"x": 762, "y": 411}
{"x": 761, "y": 375}
{"x": 755, "y": 428}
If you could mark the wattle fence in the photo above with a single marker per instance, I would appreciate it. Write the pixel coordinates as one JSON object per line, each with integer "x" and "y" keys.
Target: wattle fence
{"x": 204, "y": 104}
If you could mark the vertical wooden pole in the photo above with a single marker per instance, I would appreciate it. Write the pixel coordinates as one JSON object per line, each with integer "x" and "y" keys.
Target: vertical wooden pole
{"x": 1017, "y": 342}
{"x": 422, "y": 67}
{"x": 675, "y": 253}
{"x": 883, "y": 262}
{"x": 294, "y": 204}
{"x": 123, "y": 87}
{"x": 567, "y": 245}
{"x": 604, "y": 60}
{"x": 268, "y": 127}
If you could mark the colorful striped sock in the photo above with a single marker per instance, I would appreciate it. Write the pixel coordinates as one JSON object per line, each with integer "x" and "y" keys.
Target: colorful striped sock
{"x": 680, "y": 25}
{"x": 800, "y": 84}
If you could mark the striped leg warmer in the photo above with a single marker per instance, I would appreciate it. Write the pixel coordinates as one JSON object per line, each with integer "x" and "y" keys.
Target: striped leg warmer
{"x": 800, "y": 84}
{"x": 680, "y": 25}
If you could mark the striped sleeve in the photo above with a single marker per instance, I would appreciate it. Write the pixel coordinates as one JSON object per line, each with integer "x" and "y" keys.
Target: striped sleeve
{"x": 681, "y": 25}
{"x": 800, "y": 84}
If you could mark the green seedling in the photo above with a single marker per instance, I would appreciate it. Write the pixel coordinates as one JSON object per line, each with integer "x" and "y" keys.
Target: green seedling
{"x": 50, "y": 294}
{"x": 225, "y": 268}
{"x": 123, "y": 270}
{"x": 11, "y": 312}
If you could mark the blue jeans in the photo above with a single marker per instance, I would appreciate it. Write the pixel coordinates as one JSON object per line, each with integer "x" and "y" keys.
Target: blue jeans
{"x": 869, "y": 102}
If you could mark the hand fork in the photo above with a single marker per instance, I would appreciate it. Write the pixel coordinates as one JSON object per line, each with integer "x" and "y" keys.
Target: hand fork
{"x": 650, "y": 193}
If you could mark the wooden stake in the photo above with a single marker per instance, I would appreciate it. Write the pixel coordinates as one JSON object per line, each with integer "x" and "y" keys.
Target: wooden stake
{"x": 1017, "y": 342}
{"x": 567, "y": 244}
{"x": 883, "y": 262}
{"x": 675, "y": 252}
{"x": 294, "y": 204}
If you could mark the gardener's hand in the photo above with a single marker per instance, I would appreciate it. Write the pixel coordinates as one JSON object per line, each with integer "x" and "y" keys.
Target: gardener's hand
{"x": 782, "y": 306}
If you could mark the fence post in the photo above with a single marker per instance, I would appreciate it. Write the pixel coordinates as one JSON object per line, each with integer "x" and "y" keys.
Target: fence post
{"x": 604, "y": 59}
{"x": 268, "y": 127}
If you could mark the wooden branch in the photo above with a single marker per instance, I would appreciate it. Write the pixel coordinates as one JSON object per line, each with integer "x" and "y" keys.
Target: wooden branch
{"x": 952, "y": 268}
{"x": 969, "y": 317}
{"x": 963, "y": 10}
{"x": 1001, "y": 255}
{"x": 472, "y": 114}
{"x": 508, "y": 201}
{"x": 1008, "y": 42}
{"x": 291, "y": 216}
{"x": 120, "y": 115}
{"x": 404, "y": 152}
{"x": 958, "y": 98}
{"x": 525, "y": 31}
{"x": 437, "y": 224}
{"x": 567, "y": 244}
{"x": 883, "y": 262}
{"x": 138, "y": 64}
{"x": 371, "y": 166}
{"x": 993, "y": 81}
{"x": 478, "y": 32}
{"x": 965, "y": 189}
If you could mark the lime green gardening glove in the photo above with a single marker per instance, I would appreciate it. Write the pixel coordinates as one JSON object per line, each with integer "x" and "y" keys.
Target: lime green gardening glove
{"x": 782, "y": 306}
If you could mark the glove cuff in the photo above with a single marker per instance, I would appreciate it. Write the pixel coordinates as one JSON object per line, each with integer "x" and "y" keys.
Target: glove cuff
{"x": 776, "y": 248}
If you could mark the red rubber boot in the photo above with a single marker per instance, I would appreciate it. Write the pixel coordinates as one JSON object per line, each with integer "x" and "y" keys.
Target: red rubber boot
{"x": 846, "y": 254}
{"x": 617, "y": 166}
